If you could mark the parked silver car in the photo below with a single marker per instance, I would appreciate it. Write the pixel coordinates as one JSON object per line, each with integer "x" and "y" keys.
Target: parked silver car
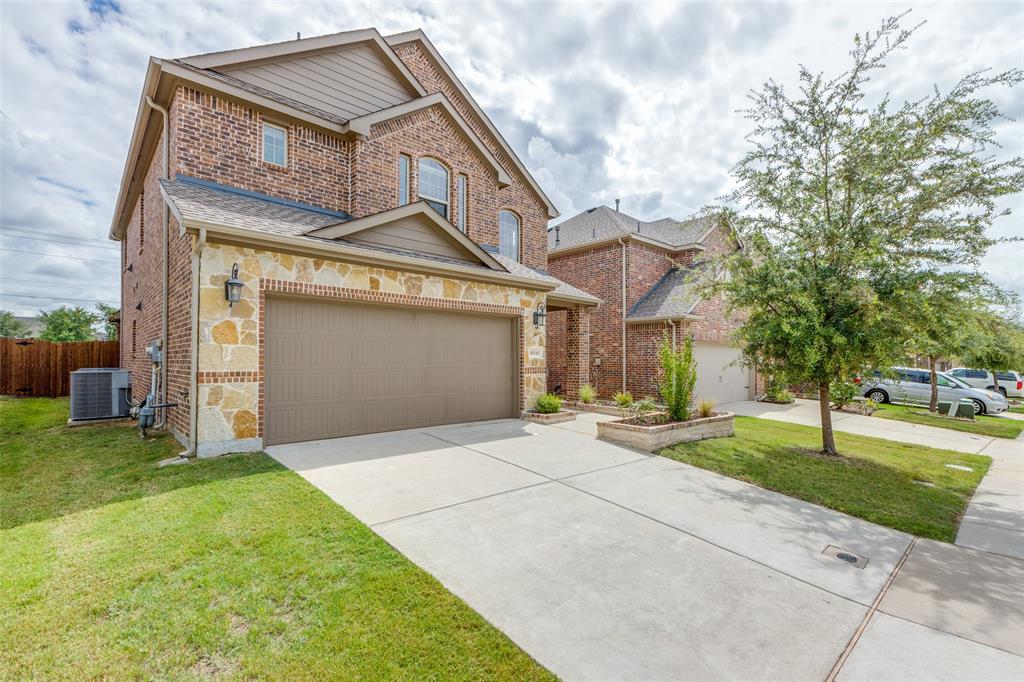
{"x": 913, "y": 386}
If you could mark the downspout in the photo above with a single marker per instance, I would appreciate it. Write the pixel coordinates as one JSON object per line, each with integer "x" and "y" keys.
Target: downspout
{"x": 193, "y": 391}
{"x": 623, "y": 244}
{"x": 672, "y": 324}
{"x": 162, "y": 392}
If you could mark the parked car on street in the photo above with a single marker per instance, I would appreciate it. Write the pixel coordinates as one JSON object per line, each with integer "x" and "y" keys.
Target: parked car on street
{"x": 913, "y": 386}
{"x": 1011, "y": 384}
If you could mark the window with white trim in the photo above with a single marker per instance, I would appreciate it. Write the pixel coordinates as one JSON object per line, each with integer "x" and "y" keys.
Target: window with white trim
{"x": 275, "y": 144}
{"x": 461, "y": 199}
{"x": 433, "y": 185}
{"x": 508, "y": 234}
{"x": 403, "y": 179}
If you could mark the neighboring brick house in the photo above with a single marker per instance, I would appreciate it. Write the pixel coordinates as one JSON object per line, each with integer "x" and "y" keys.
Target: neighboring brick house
{"x": 638, "y": 269}
{"x": 390, "y": 247}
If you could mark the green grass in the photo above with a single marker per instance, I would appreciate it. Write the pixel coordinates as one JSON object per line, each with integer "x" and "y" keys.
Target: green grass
{"x": 1019, "y": 409}
{"x": 995, "y": 427}
{"x": 233, "y": 567}
{"x": 873, "y": 480}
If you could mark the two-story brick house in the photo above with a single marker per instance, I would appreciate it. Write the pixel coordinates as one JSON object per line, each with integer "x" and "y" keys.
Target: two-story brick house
{"x": 388, "y": 248}
{"x": 639, "y": 271}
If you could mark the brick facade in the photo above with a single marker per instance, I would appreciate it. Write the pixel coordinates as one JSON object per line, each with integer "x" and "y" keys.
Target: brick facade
{"x": 218, "y": 139}
{"x": 599, "y": 271}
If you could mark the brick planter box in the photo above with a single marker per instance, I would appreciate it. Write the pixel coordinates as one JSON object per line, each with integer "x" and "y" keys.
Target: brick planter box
{"x": 654, "y": 438}
{"x": 551, "y": 418}
{"x": 599, "y": 408}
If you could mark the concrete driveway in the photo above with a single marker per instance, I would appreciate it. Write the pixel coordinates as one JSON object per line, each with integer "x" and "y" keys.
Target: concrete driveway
{"x": 606, "y": 563}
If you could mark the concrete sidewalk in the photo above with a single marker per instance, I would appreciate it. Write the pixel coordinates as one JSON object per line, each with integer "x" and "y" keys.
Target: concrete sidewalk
{"x": 994, "y": 520}
{"x": 806, "y": 412}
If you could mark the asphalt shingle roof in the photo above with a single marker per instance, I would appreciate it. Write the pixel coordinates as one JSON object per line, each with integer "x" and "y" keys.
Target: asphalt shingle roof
{"x": 219, "y": 205}
{"x": 202, "y": 202}
{"x": 597, "y": 224}
{"x": 517, "y": 268}
{"x": 671, "y": 296}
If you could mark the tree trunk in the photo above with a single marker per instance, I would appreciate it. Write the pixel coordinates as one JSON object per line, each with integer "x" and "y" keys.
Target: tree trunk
{"x": 995, "y": 381}
{"x": 933, "y": 401}
{"x": 828, "y": 439}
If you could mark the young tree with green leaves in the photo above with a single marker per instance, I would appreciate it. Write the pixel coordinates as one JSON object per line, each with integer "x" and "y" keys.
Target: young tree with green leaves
{"x": 68, "y": 323}
{"x": 841, "y": 206}
{"x": 109, "y": 328}
{"x": 12, "y": 327}
{"x": 940, "y": 316}
{"x": 993, "y": 343}
{"x": 678, "y": 377}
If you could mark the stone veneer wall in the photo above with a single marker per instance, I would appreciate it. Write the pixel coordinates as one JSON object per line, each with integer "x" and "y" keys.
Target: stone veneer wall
{"x": 230, "y": 365}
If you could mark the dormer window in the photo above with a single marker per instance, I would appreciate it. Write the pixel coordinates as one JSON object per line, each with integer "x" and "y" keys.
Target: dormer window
{"x": 433, "y": 185}
{"x": 275, "y": 144}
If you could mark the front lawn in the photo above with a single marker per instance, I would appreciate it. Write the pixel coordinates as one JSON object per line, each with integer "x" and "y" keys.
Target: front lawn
{"x": 233, "y": 567}
{"x": 994, "y": 427}
{"x": 1019, "y": 409}
{"x": 878, "y": 480}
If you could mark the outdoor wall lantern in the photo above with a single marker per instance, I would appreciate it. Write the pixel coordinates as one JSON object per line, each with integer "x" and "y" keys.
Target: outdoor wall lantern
{"x": 233, "y": 287}
{"x": 539, "y": 315}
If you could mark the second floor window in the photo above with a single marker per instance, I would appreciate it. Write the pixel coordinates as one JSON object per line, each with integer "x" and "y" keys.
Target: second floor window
{"x": 508, "y": 234}
{"x": 434, "y": 185}
{"x": 461, "y": 199}
{"x": 403, "y": 180}
{"x": 275, "y": 144}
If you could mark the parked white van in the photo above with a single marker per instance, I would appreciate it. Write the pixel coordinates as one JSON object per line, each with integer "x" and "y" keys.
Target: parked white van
{"x": 1010, "y": 383}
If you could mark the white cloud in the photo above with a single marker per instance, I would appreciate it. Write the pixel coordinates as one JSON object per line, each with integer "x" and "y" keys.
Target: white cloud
{"x": 602, "y": 101}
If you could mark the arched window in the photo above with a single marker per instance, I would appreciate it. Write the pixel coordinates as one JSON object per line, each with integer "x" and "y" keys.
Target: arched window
{"x": 434, "y": 185}
{"x": 508, "y": 234}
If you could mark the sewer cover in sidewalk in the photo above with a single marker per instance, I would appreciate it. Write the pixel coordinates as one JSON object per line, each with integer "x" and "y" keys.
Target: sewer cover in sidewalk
{"x": 959, "y": 467}
{"x": 843, "y": 555}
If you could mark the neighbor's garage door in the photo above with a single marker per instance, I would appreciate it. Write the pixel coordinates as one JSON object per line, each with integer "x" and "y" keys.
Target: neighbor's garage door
{"x": 715, "y": 377}
{"x": 339, "y": 369}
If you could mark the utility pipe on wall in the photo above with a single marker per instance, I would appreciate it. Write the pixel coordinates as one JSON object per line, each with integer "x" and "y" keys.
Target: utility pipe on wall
{"x": 623, "y": 244}
{"x": 193, "y": 391}
{"x": 162, "y": 393}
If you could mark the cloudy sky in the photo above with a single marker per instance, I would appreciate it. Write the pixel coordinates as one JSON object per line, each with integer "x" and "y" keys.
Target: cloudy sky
{"x": 635, "y": 101}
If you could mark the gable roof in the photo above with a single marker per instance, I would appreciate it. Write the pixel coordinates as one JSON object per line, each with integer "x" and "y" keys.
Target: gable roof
{"x": 602, "y": 223}
{"x": 356, "y": 231}
{"x": 219, "y": 61}
{"x": 419, "y": 36}
{"x": 671, "y": 297}
{"x": 362, "y": 125}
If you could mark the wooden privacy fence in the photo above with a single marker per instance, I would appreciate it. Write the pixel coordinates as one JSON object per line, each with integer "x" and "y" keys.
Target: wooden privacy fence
{"x": 32, "y": 367}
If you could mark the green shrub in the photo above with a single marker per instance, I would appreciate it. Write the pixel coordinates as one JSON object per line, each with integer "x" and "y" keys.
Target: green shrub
{"x": 679, "y": 374}
{"x": 547, "y": 403}
{"x": 623, "y": 398}
{"x": 706, "y": 407}
{"x": 842, "y": 393}
{"x": 642, "y": 407}
{"x": 783, "y": 395}
{"x": 588, "y": 394}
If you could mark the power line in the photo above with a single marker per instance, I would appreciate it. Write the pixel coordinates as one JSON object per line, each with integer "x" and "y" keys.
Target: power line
{"x": 14, "y": 228}
{"x": 52, "y": 281}
{"x": 52, "y": 298}
{"x": 67, "y": 241}
{"x": 59, "y": 255}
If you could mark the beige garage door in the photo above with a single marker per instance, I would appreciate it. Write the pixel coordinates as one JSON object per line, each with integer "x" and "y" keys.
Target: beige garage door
{"x": 340, "y": 369}
{"x": 716, "y": 377}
